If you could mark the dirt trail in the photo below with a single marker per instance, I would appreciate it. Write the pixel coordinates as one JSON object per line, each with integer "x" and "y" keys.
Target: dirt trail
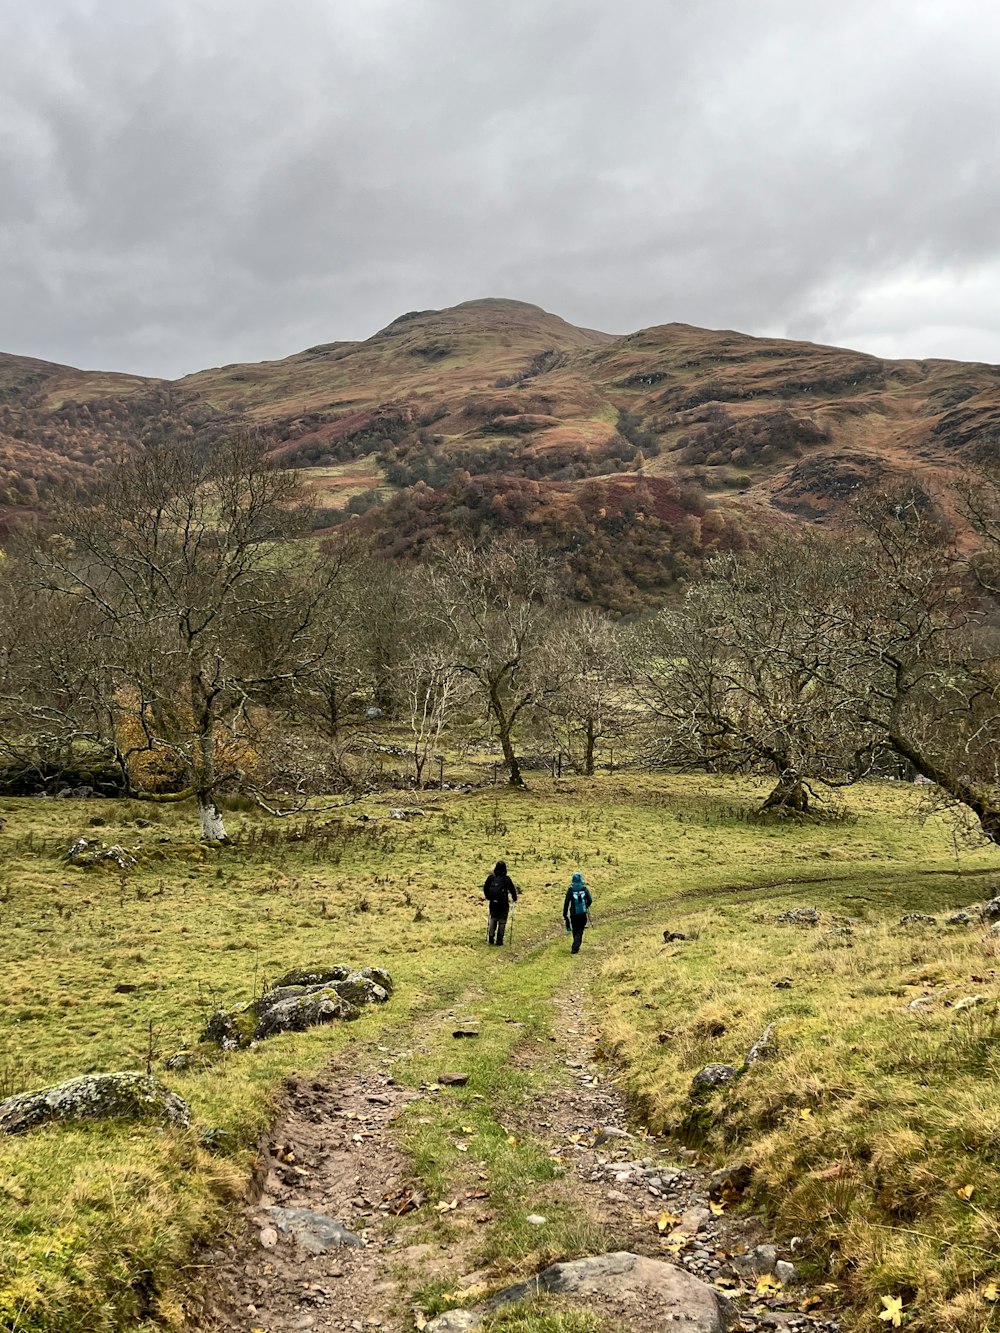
{"x": 333, "y": 1153}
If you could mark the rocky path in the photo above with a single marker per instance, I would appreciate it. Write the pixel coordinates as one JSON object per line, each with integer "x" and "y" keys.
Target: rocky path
{"x": 322, "y": 1250}
{"x": 660, "y": 1202}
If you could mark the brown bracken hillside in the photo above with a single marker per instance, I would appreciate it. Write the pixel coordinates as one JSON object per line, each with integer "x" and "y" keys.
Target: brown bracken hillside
{"x": 631, "y": 456}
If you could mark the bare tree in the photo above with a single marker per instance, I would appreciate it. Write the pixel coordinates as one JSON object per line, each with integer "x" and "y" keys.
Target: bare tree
{"x": 209, "y": 615}
{"x": 925, "y": 619}
{"x": 494, "y": 608}
{"x": 588, "y": 659}
{"x": 758, "y": 668}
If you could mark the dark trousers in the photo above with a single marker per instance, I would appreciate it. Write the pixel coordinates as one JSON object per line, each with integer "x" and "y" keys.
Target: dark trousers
{"x": 577, "y": 925}
{"x": 498, "y": 924}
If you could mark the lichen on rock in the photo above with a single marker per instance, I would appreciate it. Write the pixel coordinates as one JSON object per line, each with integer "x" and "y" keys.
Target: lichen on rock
{"x": 126, "y": 1096}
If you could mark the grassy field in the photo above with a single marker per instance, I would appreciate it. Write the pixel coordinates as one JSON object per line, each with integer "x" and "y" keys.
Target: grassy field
{"x": 867, "y": 1128}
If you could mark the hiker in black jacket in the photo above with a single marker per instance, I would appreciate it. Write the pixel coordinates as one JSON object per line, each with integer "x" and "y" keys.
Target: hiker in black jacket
{"x": 576, "y": 905}
{"x": 498, "y": 891}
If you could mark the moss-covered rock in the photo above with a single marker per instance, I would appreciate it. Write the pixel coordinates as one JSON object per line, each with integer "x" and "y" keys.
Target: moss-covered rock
{"x": 296, "y": 1003}
{"x": 320, "y": 1005}
{"x": 125, "y": 1096}
{"x": 380, "y": 976}
{"x": 313, "y": 976}
{"x": 360, "y": 989}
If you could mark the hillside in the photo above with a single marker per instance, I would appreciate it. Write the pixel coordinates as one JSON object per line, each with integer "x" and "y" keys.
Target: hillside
{"x": 634, "y": 455}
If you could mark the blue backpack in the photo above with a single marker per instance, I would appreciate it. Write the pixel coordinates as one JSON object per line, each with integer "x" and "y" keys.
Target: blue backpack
{"x": 578, "y": 903}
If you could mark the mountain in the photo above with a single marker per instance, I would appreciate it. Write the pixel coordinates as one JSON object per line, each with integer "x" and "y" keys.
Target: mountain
{"x": 631, "y": 455}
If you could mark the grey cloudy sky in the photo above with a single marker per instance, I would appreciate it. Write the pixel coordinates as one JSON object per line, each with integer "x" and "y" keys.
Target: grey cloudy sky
{"x": 185, "y": 183}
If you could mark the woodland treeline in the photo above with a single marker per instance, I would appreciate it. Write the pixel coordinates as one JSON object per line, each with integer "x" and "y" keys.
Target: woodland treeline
{"x": 183, "y": 637}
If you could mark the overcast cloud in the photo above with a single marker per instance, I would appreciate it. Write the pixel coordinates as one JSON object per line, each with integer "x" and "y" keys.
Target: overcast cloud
{"x": 185, "y": 183}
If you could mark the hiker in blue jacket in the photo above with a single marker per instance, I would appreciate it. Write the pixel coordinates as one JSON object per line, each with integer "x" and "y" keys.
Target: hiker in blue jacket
{"x": 576, "y": 905}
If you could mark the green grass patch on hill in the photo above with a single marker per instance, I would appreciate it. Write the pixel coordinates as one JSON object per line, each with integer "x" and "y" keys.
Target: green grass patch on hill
{"x": 106, "y": 971}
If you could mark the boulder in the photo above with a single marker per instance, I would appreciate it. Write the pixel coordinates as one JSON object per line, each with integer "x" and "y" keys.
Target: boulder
{"x": 919, "y": 919}
{"x": 380, "y": 976}
{"x": 321, "y": 1004}
{"x": 358, "y": 989}
{"x": 314, "y": 976}
{"x": 686, "y": 1304}
{"x": 991, "y": 910}
{"x": 126, "y": 1096}
{"x": 298, "y": 1002}
{"x": 222, "y": 1031}
{"x": 710, "y": 1078}
{"x": 84, "y": 853}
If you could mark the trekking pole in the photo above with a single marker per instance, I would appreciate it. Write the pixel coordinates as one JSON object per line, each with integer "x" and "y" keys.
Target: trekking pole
{"x": 510, "y": 936}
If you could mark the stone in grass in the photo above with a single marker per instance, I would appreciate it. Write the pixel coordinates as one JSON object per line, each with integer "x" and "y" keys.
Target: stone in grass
{"x": 991, "y": 910}
{"x": 608, "y": 1132}
{"x": 800, "y": 916}
{"x": 454, "y": 1321}
{"x": 314, "y": 1232}
{"x": 126, "y": 1096}
{"x": 536, "y": 1219}
{"x": 918, "y": 919}
{"x": 963, "y": 919}
{"x": 684, "y": 1302}
{"x": 765, "y": 1047}
{"x": 453, "y": 1080}
{"x": 730, "y": 1182}
{"x": 968, "y": 1002}
{"x": 712, "y": 1077}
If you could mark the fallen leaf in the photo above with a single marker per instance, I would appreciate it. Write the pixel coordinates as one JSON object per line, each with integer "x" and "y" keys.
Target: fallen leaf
{"x": 893, "y": 1311}
{"x": 667, "y": 1220}
{"x": 966, "y": 1192}
{"x": 805, "y": 1113}
{"x": 511, "y": 1140}
{"x": 419, "y": 1319}
{"x": 716, "y": 1209}
{"x": 768, "y": 1285}
{"x": 444, "y": 1207}
{"x": 467, "y": 1129}
{"x": 991, "y": 1293}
